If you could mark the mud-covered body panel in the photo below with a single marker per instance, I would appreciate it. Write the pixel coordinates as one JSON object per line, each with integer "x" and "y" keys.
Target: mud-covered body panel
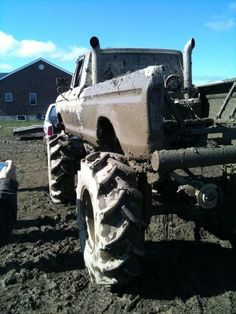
{"x": 127, "y": 102}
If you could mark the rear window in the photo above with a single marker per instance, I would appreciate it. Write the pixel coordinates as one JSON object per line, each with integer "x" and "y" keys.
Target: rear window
{"x": 116, "y": 64}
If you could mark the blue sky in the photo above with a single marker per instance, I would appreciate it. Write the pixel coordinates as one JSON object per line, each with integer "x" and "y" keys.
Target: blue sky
{"x": 59, "y": 31}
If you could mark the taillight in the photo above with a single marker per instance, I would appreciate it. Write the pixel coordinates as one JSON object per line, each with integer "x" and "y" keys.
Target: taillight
{"x": 50, "y": 131}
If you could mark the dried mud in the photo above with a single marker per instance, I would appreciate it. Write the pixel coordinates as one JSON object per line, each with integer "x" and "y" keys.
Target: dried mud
{"x": 42, "y": 270}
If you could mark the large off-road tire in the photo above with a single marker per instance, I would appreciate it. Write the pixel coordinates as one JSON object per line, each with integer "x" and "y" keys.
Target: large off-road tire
{"x": 8, "y": 211}
{"x": 7, "y": 223}
{"x": 229, "y": 218}
{"x": 110, "y": 218}
{"x": 229, "y": 225}
{"x": 64, "y": 156}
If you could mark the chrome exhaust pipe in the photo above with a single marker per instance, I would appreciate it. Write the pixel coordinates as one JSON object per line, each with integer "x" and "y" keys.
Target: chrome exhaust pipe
{"x": 187, "y": 65}
{"x": 94, "y": 42}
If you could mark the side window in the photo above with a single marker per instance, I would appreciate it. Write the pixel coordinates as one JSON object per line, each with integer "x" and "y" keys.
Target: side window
{"x": 9, "y": 97}
{"x": 78, "y": 72}
{"x": 53, "y": 115}
{"x": 32, "y": 99}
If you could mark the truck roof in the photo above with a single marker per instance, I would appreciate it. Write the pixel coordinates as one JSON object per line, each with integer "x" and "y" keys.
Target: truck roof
{"x": 141, "y": 50}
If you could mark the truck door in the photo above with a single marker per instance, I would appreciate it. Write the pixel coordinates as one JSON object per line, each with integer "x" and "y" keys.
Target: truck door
{"x": 76, "y": 88}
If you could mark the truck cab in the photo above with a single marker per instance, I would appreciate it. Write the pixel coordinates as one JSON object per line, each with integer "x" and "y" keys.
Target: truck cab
{"x": 126, "y": 75}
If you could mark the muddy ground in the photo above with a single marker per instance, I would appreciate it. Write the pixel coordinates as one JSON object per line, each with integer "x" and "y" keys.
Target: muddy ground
{"x": 42, "y": 270}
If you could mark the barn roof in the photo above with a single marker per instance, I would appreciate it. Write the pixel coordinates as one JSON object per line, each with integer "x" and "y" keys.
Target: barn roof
{"x": 3, "y": 74}
{"x": 2, "y": 77}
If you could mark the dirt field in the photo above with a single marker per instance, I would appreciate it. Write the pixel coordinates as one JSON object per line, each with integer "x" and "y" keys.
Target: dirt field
{"x": 42, "y": 271}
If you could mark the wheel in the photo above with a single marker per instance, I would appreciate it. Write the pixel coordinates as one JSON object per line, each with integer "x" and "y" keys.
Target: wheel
{"x": 228, "y": 187}
{"x": 230, "y": 228}
{"x": 63, "y": 156}
{"x": 110, "y": 219}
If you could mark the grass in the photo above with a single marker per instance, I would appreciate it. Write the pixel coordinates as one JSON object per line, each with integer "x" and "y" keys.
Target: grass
{"x": 6, "y": 127}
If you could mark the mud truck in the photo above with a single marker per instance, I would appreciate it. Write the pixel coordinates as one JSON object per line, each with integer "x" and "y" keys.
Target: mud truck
{"x": 137, "y": 138}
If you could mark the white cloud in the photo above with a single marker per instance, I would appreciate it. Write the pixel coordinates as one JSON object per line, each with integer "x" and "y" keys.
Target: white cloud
{"x": 7, "y": 43}
{"x": 28, "y": 48}
{"x": 220, "y": 24}
{"x": 72, "y": 54}
{"x": 5, "y": 67}
{"x": 10, "y": 46}
{"x": 225, "y": 21}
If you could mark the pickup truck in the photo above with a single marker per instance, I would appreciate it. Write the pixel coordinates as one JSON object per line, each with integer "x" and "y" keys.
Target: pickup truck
{"x": 132, "y": 124}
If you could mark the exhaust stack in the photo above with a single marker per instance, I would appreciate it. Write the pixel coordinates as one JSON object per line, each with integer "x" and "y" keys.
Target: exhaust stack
{"x": 187, "y": 65}
{"x": 94, "y": 42}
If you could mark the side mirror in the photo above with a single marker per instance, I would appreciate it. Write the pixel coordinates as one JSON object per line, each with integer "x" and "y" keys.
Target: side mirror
{"x": 63, "y": 84}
